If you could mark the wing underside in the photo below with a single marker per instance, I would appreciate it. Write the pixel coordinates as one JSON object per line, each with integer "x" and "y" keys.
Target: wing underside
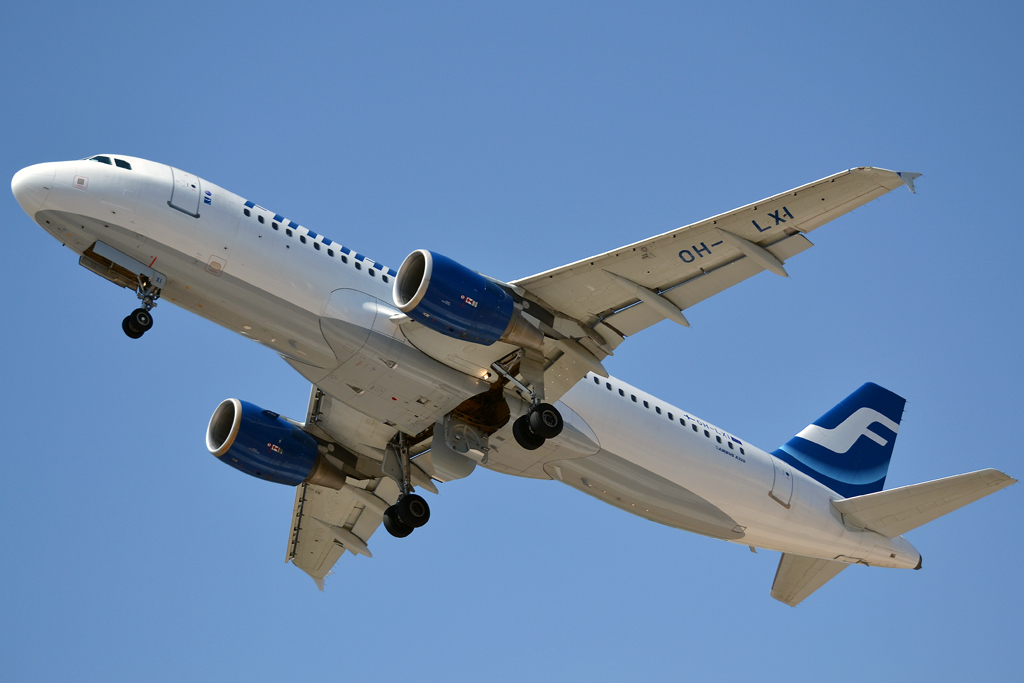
{"x": 603, "y": 299}
{"x": 327, "y": 522}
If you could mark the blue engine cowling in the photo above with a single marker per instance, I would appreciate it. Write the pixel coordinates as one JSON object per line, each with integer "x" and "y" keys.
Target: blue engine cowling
{"x": 260, "y": 443}
{"x": 451, "y": 299}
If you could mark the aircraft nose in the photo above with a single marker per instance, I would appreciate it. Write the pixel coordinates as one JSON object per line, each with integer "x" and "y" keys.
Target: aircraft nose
{"x": 31, "y": 185}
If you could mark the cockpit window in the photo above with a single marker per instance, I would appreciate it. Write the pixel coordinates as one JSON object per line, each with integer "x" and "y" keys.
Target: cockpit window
{"x": 102, "y": 160}
{"x": 121, "y": 163}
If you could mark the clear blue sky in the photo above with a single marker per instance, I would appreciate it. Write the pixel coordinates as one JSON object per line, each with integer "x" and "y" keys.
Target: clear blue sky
{"x": 514, "y": 138}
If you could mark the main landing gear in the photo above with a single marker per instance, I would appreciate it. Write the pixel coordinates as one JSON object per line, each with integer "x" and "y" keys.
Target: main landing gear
{"x": 540, "y": 423}
{"x": 410, "y": 512}
{"x": 139, "y": 321}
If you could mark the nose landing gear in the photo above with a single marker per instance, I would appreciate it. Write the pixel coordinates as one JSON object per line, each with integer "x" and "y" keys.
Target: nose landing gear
{"x": 139, "y": 321}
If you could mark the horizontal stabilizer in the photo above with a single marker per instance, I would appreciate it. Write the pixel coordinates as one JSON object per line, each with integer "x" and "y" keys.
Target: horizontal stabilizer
{"x": 799, "y": 576}
{"x": 894, "y": 512}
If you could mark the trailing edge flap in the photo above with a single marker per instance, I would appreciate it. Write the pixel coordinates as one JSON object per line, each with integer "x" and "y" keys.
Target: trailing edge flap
{"x": 326, "y": 523}
{"x": 799, "y": 576}
{"x": 894, "y": 512}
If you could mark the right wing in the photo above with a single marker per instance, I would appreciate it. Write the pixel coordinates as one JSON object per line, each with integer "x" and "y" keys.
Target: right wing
{"x": 326, "y": 523}
{"x": 799, "y": 576}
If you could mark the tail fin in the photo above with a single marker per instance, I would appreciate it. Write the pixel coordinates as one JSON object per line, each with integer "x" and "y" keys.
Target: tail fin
{"x": 848, "y": 448}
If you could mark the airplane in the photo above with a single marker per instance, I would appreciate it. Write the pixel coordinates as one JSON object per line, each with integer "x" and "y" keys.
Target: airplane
{"x": 421, "y": 374}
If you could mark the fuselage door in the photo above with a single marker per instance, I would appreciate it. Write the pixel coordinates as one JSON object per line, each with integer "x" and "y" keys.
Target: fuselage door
{"x": 185, "y": 192}
{"x": 782, "y": 487}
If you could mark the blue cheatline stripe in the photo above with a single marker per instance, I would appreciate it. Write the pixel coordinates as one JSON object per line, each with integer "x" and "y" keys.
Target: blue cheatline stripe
{"x": 325, "y": 240}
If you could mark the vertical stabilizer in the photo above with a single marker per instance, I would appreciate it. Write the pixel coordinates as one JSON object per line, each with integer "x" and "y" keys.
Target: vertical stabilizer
{"x": 848, "y": 448}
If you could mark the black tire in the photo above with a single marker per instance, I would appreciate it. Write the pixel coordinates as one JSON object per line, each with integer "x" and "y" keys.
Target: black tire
{"x": 140, "y": 320}
{"x": 129, "y": 331}
{"x": 395, "y": 527}
{"x": 412, "y": 511}
{"x": 525, "y": 436}
{"x": 546, "y": 421}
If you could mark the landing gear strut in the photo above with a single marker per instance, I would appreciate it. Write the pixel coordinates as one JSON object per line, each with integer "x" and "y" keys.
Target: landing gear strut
{"x": 410, "y": 512}
{"x": 139, "y": 321}
{"x": 540, "y": 423}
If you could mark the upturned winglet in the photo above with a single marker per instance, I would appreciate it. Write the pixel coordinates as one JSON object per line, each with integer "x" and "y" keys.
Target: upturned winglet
{"x": 908, "y": 179}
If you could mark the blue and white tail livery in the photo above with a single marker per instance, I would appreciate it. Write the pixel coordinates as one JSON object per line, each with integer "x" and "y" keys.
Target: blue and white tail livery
{"x": 424, "y": 373}
{"x": 848, "y": 448}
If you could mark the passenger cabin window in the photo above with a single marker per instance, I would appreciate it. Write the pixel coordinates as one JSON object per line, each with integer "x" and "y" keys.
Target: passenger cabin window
{"x": 373, "y": 273}
{"x": 384, "y": 278}
{"x": 287, "y": 231}
{"x": 596, "y": 380}
{"x": 316, "y": 245}
{"x": 707, "y": 433}
{"x": 121, "y": 163}
{"x": 274, "y": 225}
{"x": 694, "y": 426}
{"x": 246, "y": 212}
{"x": 359, "y": 266}
{"x": 260, "y": 219}
{"x": 682, "y": 422}
{"x": 718, "y": 438}
{"x": 646, "y": 404}
{"x": 344, "y": 259}
{"x": 742, "y": 452}
{"x": 731, "y": 446}
{"x": 621, "y": 392}
{"x": 302, "y": 238}
{"x": 608, "y": 385}
{"x": 633, "y": 396}
{"x": 658, "y": 410}
{"x": 102, "y": 160}
{"x": 670, "y": 416}
{"x": 330, "y": 252}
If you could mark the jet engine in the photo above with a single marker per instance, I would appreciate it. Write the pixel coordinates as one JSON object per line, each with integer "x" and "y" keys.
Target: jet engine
{"x": 265, "y": 445}
{"x": 457, "y": 302}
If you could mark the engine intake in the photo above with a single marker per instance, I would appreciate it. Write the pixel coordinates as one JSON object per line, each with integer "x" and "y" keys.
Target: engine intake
{"x": 457, "y": 302}
{"x": 263, "y": 444}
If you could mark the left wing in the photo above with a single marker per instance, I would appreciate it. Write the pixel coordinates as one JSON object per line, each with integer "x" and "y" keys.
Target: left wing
{"x": 614, "y": 295}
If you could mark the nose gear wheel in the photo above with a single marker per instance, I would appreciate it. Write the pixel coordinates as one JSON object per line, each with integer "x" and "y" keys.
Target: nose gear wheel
{"x": 140, "y": 320}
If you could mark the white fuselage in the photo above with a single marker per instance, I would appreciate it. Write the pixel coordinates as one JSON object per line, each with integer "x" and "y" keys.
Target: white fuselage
{"x": 328, "y": 311}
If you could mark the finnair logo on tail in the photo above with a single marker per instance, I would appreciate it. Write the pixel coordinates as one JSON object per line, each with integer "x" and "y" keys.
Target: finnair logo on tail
{"x": 841, "y": 438}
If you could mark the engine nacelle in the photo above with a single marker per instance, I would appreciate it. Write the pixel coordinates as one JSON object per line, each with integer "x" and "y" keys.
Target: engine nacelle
{"x": 261, "y": 443}
{"x": 457, "y": 302}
